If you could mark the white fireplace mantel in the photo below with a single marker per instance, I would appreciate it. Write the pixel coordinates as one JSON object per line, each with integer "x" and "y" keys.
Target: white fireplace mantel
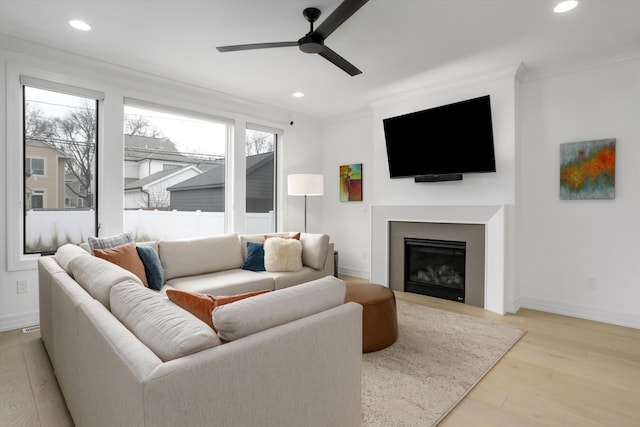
{"x": 492, "y": 217}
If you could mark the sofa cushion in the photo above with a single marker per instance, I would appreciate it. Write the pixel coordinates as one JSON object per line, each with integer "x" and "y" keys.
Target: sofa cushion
{"x": 152, "y": 266}
{"x": 201, "y": 305}
{"x": 109, "y": 242}
{"x": 66, "y": 253}
{"x": 271, "y": 309}
{"x": 282, "y": 254}
{"x": 255, "y": 257}
{"x": 168, "y": 330}
{"x": 126, "y": 256}
{"x": 227, "y": 282}
{"x": 199, "y": 256}
{"x": 97, "y": 276}
{"x": 314, "y": 249}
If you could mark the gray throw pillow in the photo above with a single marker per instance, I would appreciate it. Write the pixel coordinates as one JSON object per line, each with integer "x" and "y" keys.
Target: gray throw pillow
{"x": 110, "y": 242}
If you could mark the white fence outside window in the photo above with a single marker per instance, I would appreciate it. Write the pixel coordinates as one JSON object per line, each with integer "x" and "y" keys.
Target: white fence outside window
{"x": 52, "y": 228}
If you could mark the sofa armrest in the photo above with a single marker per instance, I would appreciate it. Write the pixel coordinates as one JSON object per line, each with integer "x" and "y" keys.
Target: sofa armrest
{"x": 329, "y": 263}
{"x": 305, "y": 372}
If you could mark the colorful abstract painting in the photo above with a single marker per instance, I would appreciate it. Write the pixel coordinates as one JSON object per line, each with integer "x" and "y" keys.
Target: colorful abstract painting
{"x": 351, "y": 183}
{"x": 588, "y": 170}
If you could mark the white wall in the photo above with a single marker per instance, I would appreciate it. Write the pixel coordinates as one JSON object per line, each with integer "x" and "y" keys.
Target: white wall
{"x": 565, "y": 242}
{"x": 347, "y": 141}
{"x": 300, "y": 148}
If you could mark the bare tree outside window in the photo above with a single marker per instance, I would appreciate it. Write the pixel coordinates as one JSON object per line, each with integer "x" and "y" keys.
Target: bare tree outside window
{"x": 261, "y": 181}
{"x": 60, "y": 141}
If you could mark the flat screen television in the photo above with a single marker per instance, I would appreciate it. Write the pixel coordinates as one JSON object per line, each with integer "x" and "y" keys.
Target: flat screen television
{"x": 441, "y": 143}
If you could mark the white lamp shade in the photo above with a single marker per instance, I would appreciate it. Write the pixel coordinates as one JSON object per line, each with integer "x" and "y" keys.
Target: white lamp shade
{"x": 305, "y": 184}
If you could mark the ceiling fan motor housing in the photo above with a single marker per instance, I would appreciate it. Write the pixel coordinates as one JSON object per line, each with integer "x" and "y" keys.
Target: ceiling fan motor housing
{"x": 311, "y": 43}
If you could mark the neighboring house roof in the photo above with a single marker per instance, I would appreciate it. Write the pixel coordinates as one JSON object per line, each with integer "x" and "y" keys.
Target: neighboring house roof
{"x": 138, "y": 148}
{"x": 44, "y": 144}
{"x": 214, "y": 177}
{"x": 157, "y": 177}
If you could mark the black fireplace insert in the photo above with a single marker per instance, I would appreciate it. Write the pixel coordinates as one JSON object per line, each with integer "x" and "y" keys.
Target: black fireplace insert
{"x": 435, "y": 268}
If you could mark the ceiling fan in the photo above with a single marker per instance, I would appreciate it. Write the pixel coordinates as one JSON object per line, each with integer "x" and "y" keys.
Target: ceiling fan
{"x": 313, "y": 41}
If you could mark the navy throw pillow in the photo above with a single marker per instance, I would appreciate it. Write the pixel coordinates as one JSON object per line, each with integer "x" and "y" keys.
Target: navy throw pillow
{"x": 152, "y": 266}
{"x": 255, "y": 257}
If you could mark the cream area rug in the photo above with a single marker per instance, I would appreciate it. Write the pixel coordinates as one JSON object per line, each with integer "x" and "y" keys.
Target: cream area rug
{"x": 438, "y": 358}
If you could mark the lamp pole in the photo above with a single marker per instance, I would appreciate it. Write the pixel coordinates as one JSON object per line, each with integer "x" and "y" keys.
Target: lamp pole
{"x": 305, "y": 213}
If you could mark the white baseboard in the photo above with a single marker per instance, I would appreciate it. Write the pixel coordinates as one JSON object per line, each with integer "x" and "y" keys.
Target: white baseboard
{"x": 630, "y": 320}
{"x": 361, "y": 274}
{"x": 19, "y": 321}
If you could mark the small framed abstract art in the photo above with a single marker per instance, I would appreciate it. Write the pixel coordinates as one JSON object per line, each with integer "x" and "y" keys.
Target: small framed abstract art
{"x": 588, "y": 169}
{"x": 351, "y": 183}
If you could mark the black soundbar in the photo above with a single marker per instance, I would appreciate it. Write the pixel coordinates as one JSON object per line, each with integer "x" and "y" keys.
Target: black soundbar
{"x": 439, "y": 177}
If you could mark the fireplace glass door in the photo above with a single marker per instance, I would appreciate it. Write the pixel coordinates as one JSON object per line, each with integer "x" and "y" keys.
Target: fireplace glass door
{"x": 435, "y": 268}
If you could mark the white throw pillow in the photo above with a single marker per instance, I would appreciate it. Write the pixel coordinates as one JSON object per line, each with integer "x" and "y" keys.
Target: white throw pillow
{"x": 282, "y": 254}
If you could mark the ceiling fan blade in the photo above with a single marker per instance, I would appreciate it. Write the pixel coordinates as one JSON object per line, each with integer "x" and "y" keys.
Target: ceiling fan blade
{"x": 236, "y": 47}
{"x": 339, "y": 61}
{"x": 338, "y": 16}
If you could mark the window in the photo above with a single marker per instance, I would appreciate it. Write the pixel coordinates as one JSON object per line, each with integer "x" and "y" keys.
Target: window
{"x": 174, "y": 172}
{"x": 261, "y": 181}
{"x": 60, "y": 131}
{"x": 33, "y": 167}
{"x": 36, "y": 200}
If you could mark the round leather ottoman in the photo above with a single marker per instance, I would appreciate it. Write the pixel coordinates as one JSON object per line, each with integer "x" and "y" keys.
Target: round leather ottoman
{"x": 379, "y": 319}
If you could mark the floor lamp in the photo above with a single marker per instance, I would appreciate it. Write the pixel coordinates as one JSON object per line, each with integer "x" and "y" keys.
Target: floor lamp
{"x": 305, "y": 184}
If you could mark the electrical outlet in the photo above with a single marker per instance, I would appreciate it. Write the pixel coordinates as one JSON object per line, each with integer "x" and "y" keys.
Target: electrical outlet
{"x": 23, "y": 286}
{"x": 591, "y": 283}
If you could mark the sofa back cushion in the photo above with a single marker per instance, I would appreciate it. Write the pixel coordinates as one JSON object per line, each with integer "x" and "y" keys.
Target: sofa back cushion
{"x": 190, "y": 257}
{"x": 168, "y": 330}
{"x": 251, "y": 315}
{"x": 97, "y": 276}
{"x": 66, "y": 253}
{"x": 314, "y": 249}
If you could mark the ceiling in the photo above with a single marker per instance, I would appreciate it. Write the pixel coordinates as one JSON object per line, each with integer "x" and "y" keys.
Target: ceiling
{"x": 398, "y": 44}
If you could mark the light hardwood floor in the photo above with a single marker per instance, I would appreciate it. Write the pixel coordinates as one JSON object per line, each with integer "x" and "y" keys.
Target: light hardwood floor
{"x": 563, "y": 372}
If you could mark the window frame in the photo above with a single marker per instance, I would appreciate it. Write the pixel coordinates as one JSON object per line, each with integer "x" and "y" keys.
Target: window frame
{"x": 16, "y": 77}
{"x": 230, "y": 125}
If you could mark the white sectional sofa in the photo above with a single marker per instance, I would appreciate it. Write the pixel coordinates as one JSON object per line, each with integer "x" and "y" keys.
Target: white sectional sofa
{"x": 124, "y": 354}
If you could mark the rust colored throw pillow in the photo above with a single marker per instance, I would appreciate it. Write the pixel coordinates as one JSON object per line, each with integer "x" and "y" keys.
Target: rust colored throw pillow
{"x": 126, "y": 256}
{"x": 201, "y": 305}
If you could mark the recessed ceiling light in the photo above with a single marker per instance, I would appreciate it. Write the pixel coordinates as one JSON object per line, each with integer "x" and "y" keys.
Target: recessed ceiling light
{"x": 298, "y": 94}
{"x": 79, "y": 25}
{"x": 565, "y": 6}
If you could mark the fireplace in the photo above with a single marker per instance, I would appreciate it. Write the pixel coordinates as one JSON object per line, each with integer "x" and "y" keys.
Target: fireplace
{"x": 435, "y": 268}
{"x": 488, "y": 258}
